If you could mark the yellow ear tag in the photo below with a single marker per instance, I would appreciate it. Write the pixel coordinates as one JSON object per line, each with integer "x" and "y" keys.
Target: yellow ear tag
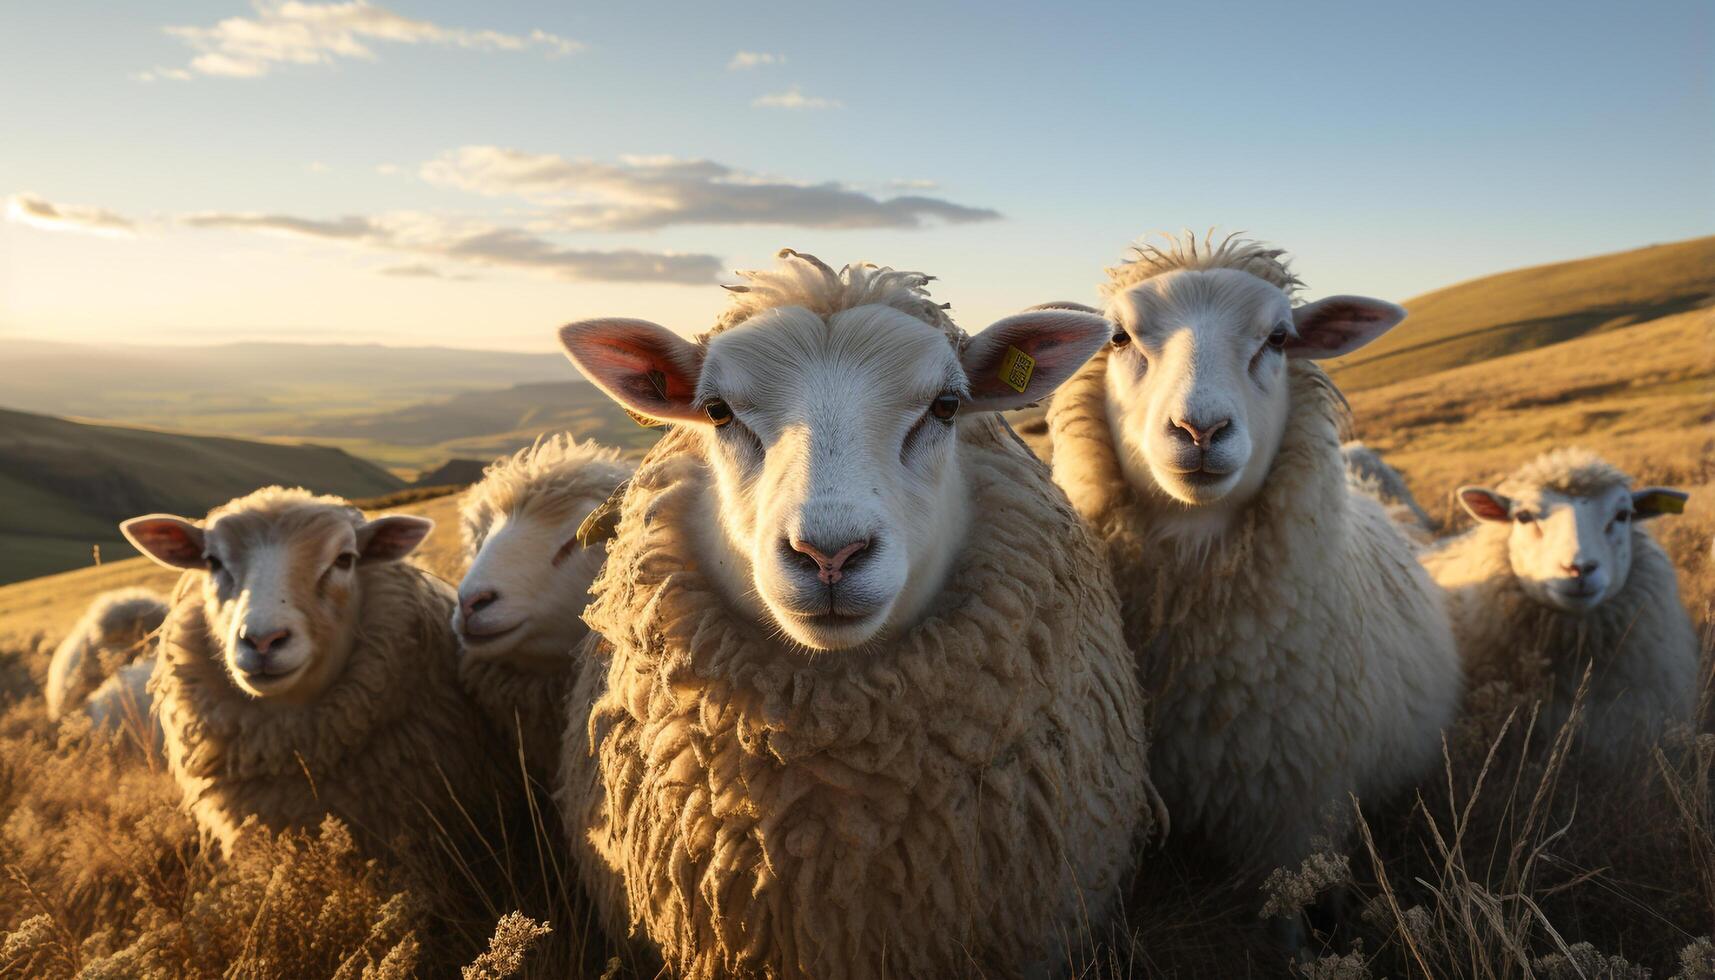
{"x": 1016, "y": 368}
{"x": 1666, "y": 503}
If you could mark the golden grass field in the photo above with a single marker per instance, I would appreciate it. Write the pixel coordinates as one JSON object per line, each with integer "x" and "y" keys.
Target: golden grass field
{"x": 1498, "y": 867}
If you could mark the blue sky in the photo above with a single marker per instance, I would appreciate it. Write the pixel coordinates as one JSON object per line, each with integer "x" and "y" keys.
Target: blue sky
{"x": 474, "y": 174}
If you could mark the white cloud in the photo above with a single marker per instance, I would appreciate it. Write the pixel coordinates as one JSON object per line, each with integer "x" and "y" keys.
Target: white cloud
{"x": 157, "y": 74}
{"x": 293, "y": 32}
{"x": 746, "y": 60}
{"x": 36, "y": 212}
{"x": 794, "y": 98}
{"x": 648, "y": 193}
{"x": 317, "y": 167}
{"x": 475, "y": 243}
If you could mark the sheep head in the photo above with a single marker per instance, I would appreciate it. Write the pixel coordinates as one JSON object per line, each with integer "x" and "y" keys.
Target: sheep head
{"x": 830, "y": 429}
{"x": 532, "y": 552}
{"x": 1568, "y": 518}
{"x": 282, "y": 581}
{"x": 1196, "y": 381}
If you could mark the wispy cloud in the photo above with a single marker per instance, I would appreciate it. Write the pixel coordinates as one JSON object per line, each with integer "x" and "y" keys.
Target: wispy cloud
{"x": 422, "y": 270}
{"x": 746, "y": 60}
{"x": 317, "y": 167}
{"x": 389, "y": 169}
{"x": 475, "y": 243}
{"x": 794, "y": 98}
{"x": 37, "y": 212}
{"x": 297, "y": 33}
{"x": 158, "y": 74}
{"x": 912, "y": 184}
{"x": 647, "y": 193}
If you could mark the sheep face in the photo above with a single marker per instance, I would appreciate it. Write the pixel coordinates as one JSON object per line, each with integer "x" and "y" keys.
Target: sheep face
{"x": 1569, "y": 551}
{"x": 281, "y": 588}
{"x": 840, "y": 506}
{"x": 1196, "y": 384}
{"x": 513, "y": 602}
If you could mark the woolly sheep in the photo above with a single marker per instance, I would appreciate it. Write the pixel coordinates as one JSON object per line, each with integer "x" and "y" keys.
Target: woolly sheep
{"x": 1560, "y": 574}
{"x": 1294, "y": 649}
{"x": 534, "y": 534}
{"x": 305, "y": 670}
{"x": 1367, "y": 473}
{"x": 861, "y": 705}
{"x": 112, "y": 632}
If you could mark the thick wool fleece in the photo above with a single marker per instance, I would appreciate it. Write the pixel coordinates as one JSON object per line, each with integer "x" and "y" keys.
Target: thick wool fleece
{"x": 964, "y": 797}
{"x": 112, "y": 633}
{"x": 1639, "y": 645}
{"x": 1302, "y": 656}
{"x": 391, "y": 747}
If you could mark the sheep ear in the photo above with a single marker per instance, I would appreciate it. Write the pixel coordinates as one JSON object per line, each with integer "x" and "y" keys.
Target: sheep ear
{"x": 1656, "y": 501}
{"x": 1485, "y": 504}
{"x": 1339, "y": 325}
{"x": 646, "y": 368}
{"x": 1024, "y": 357}
{"x": 391, "y": 538}
{"x": 170, "y": 541}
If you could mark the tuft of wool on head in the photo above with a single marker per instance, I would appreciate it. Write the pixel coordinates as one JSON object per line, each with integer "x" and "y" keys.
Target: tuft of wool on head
{"x": 278, "y": 513}
{"x": 1146, "y": 260}
{"x": 546, "y": 478}
{"x": 802, "y": 280}
{"x": 1574, "y": 472}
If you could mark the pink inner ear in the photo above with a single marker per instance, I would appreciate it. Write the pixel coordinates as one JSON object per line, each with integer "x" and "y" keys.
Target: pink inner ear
{"x": 1484, "y": 505}
{"x": 634, "y": 363}
{"x": 168, "y": 541}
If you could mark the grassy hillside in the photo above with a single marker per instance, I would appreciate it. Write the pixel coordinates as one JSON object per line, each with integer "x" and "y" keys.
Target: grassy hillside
{"x": 1529, "y": 308}
{"x": 64, "y": 485}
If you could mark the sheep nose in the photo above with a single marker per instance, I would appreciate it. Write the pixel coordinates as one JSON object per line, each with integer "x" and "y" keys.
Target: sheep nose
{"x": 1202, "y": 434}
{"x": 267, "y": 641}
{"x": 476, "y": 603}
{"x": 1583, "y": 569}
{"x": 830, "y": 562}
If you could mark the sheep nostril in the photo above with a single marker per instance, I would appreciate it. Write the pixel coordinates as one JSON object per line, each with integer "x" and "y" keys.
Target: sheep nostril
{"x": 482, "y": 600}
{"x": 267, "y": 641}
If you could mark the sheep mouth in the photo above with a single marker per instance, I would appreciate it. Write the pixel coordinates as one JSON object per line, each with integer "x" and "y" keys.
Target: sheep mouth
{"x": 1575, "y": 595}
{"x": 475, "y": 639}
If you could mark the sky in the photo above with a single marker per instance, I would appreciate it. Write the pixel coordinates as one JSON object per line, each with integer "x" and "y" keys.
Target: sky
{"x": 473, "y": 175}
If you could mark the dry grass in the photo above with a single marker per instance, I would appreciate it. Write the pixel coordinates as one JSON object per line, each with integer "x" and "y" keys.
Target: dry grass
{"x": 1513, "y": 862}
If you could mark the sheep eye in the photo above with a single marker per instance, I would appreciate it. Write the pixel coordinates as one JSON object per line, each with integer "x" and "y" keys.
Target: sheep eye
{"x": 1524, "y": 517}
{"x": 1623, "y": 517}
{"x": 1121, "y": 339}
{"x": 345, "y": 561}
{"x": 214, "y": 564}
{"x": 944, "y": 407}
{"x": 719, "y": 412}
{"x": 1278, "y": 338}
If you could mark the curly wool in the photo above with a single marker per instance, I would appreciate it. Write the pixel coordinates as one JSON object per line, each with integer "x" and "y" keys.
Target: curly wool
{"x": 963, "y": 797}
{"x": 391, "y": 747}
{"x": 549, "y": 478}
{"x": 1147, "y": 260}
{"x": 1304, "y": 655}
{"x": 1367, "y": 473}
{"x": 111, "y": 633}
{"x": 1639, "y": 644}
{"x": 803, "y": 280}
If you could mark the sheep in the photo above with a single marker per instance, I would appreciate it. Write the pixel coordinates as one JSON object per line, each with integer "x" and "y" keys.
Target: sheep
{"x": 857, "y": 700}
{"x": 1560, "y": 574}
{"x": 534, "y": 532}
{"x": 1294, "y": 650}
{"x": 305, "y": 670}
{"x": 112, "y": 632}
{"x": 1367, "y": 473}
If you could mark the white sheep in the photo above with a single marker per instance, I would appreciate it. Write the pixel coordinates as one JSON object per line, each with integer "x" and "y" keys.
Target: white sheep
{"x": 535, "y": 531}
{"x": 1560, "y": 575}
{"x": 112, "y": 633}
{"x": 1294, "y": 649}
{"x": 305, "y": 670}
{"x": 1367, "y": 473}
{"x": 861, "y": 706}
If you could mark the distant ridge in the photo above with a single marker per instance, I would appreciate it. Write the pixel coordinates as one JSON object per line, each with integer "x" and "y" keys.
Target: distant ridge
{"x": 65, "y": 485}
{"x": 1534, "y": 307}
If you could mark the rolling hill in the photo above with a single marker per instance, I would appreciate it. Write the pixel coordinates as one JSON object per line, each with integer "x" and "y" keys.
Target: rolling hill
{"x": 1529, "y": 308}
{"x": 64, "y": 485}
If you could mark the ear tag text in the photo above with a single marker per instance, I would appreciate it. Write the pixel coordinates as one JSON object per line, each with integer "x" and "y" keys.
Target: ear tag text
{"x": 1016, "y": 368}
